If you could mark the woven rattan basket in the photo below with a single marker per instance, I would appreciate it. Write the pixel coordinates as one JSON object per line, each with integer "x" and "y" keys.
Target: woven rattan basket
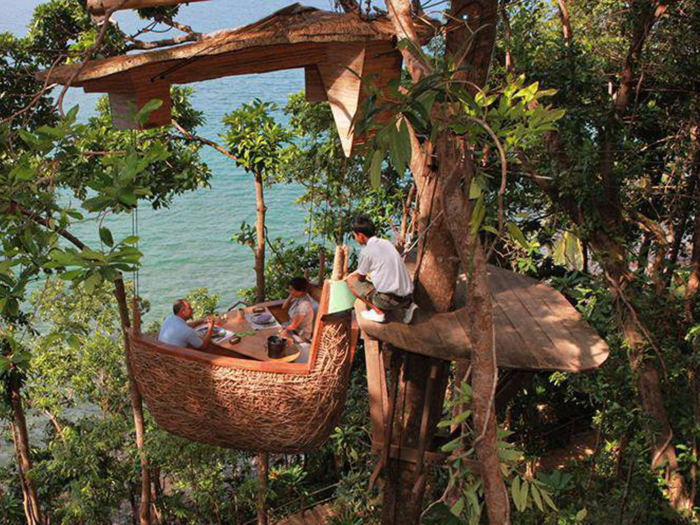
{"x": 243, "y": 404}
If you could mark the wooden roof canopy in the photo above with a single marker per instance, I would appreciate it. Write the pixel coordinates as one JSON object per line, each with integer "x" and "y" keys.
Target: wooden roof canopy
{"x": 334, "y": 49}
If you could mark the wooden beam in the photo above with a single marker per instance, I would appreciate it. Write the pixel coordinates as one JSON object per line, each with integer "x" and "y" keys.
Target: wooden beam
{"x": 315, "y": 92}
{"x": 134, "y": 94}
{"x": 382, "y": 66}
{"x": 341, "y": 72}
{"x": 375, "y": 388}
{"x": 253, "y": 60}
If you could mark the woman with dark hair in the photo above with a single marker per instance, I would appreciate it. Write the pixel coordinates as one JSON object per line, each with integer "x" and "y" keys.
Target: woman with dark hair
{"x": 299, "y": 306}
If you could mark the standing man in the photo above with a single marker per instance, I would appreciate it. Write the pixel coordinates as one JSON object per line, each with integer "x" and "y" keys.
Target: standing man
{"x": 391, "y": 287}
{"x": 177, "y": 331}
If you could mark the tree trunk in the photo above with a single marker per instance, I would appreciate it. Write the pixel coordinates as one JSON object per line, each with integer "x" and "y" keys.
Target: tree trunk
{"x": 691, "y": 290}
{"x": 136, "y": 402}
{"x": 260, "y": 233}
{"x": 263, "y": 459}
{"x": 136, "y": 407}
{"x": 263, "y": 467}
{"x": 436, "y": 264}
{"x": 614, "y": 263}
{"x": 455, "y": 179}
{"x": 20, "y": 435}
{"x": 436, "y": 273}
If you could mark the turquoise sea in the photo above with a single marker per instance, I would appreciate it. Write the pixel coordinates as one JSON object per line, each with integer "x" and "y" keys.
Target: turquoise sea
{"x": 188, "y": 245}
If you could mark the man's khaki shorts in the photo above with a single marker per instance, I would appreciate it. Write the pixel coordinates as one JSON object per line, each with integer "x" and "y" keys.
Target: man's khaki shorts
{"x": 381, "y": 300}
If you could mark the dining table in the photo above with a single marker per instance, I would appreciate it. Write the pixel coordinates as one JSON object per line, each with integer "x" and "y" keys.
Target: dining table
{"x": 253, "y": 335}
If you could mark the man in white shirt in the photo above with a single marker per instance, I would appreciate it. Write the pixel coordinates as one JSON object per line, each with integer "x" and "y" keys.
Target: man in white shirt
{"x": 177, "y": 331}
{"x": 391, "y": 287}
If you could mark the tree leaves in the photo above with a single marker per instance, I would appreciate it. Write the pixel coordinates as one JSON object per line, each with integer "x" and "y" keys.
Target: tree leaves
{"x": 106, "y": 237}
{"x": 568, "y": 251}
{"x": 375, "y": 169}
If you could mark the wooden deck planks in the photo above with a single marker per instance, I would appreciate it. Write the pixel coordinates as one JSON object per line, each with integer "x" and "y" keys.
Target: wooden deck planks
{"x": 534, "y": 337}
{"x": 552, "y": 319}
{"x": 554, "y": 316}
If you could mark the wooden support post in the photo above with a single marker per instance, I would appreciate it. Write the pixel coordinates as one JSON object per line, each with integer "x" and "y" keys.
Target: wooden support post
{"x": 403, "y": 499}
{"x": 136, "y": 314}
{"x": 388, "y": 421}
{"x": 322, "y": 268}
{"x": 423, "y": 436}
{"x": 375, "y": 387}
{"x": 339, "y": 264}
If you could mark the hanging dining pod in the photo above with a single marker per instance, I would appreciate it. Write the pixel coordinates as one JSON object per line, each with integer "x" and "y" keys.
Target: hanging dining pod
{"x": 262, "y": 406}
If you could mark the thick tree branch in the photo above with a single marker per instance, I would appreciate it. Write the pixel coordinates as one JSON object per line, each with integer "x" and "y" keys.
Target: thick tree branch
{"x": 641, "y": 30}
{"x": 400, "y": 15}
{"x": 566, "y": 24}
{"x": 89, "y": 53}
{"x": 141, "y": 45}
{"x": 349, "y": 6}
{"x": 195, "y": 138}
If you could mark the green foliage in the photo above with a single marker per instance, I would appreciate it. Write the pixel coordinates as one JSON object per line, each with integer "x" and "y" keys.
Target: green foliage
{"x": 287, "y": 260}
{"x": 255, "y": 138}
{"x": 336, "y": 189}
{"x": 202, "y": 303}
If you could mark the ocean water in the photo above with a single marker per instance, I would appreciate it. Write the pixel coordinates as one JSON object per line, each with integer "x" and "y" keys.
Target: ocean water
{"x": 188, "y": 245}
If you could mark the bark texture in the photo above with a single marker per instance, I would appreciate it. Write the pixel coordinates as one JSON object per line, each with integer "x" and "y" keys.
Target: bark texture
{"x": 263, "y": 467}
{"x": 260, "y": 209}
{"x": 145, "y": 514}
{"x": 436, "y": 272}
{"x": 455, "y": 179}
{"x": 20, "y": 435}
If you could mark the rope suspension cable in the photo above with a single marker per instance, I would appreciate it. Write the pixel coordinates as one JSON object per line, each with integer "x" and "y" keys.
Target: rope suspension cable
{"x": 135, "y": 227}
{"x": 311, "y": 215}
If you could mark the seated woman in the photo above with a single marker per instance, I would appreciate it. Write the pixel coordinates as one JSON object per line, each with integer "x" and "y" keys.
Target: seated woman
{"x": 299, "y": 307}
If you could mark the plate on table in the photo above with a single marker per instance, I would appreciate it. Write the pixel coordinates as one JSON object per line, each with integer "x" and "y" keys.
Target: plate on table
{"x": 216, "y": 333}
{"x": 263, "y": 318}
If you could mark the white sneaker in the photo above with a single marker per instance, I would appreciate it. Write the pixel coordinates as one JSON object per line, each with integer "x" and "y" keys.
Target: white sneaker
{"x": 372, "y": 315}
{"x": 408, "y": 316}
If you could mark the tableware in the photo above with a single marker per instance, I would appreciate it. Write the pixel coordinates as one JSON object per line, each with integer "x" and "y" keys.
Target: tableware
{"x": 258, "y": 309}
{"x": 215, "y": 333}
{"x": 235, "y": 339}
{"x": 263, "y": 318}
{"x": 276, "y": 346}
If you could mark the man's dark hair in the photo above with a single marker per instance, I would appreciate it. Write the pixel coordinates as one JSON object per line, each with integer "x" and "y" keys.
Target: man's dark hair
{"x": 299, "y": 284}
{"x": 365, "y": 226}
{"x": 179, "y": 305}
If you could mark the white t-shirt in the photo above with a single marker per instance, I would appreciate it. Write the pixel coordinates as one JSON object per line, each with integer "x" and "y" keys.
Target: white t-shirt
{"x": 381, "y": 261}
{"x": 304, "y": 307}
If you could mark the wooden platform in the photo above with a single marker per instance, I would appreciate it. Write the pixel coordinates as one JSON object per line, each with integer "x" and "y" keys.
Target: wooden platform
{"x": 536, "y": 328}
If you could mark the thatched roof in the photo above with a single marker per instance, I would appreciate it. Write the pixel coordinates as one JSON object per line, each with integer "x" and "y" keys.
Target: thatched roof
{"x": 295, "y": 24}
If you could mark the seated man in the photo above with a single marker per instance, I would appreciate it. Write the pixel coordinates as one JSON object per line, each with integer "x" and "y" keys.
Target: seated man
{"x": 178, "y": 332}
{"x": 391, "y": 287}
{"x": 299, "y": 307}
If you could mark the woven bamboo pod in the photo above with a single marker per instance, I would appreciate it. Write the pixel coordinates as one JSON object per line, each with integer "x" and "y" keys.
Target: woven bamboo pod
{"x": 228, "y": 402}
